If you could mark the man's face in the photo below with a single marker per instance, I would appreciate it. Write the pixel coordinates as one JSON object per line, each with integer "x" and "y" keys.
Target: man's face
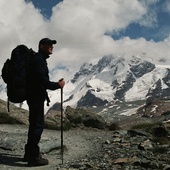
{"x": 47, "y": 48}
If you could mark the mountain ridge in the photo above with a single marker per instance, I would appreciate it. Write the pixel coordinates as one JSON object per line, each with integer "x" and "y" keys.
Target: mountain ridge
{"x": 113, "y": 79}
{"x": 118, "y": 79}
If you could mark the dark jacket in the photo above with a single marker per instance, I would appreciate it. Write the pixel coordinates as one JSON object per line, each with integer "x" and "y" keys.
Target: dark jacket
{"x": 38, "y": 78}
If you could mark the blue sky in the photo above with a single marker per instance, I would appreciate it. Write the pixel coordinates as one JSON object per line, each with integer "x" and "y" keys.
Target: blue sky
{"x": 45, "y": 6}
{"x": 87, "y": 30}
{"x": 157, "y": 32}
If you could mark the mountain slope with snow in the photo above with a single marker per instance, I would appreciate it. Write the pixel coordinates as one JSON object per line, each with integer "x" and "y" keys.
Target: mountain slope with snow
{"x": 115, "y": 79}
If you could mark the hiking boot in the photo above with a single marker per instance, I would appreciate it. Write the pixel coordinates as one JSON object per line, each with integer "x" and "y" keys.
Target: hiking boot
{"x": 26, "y": 157}
{"x": 38, "y": 162}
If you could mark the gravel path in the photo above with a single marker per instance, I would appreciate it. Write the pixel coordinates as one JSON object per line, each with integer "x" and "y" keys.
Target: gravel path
{"x": 78, "y": 143}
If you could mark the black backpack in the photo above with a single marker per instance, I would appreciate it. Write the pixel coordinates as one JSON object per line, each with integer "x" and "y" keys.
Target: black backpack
{"x": 14, "y": 73}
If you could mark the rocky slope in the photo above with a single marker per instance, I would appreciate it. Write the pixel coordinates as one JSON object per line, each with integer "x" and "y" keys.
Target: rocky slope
{"x": 135, "y": 142}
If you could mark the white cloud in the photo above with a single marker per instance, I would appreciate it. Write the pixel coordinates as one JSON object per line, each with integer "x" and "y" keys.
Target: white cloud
{"x": 80, "y": 28}
{"x": 82, "y": 21}
{"x": 166, "y": 6}
{"x": 149, "y": 19}
{"x": 20, "y": 23}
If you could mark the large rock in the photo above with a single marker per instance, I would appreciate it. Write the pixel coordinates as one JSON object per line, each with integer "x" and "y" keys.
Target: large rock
{"x": 53, "y": 121}
{"x": 16, "y": 115}
{"x": 84, "y": 117}
{"x": 73, "y": 118}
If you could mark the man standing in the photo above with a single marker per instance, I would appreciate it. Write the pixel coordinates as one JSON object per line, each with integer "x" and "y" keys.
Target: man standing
{"x": 37, "y": 84}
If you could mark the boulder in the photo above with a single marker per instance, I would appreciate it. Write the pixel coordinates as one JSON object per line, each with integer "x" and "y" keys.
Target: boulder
{"x": 53, "y": 121}
{"x": 84, "y": 117}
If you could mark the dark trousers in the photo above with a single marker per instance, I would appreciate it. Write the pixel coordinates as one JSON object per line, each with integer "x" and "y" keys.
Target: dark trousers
{"x": 36, "y": 126}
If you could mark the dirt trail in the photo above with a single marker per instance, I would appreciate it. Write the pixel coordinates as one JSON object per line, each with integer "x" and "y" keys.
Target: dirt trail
{"x": 79, "y": 144}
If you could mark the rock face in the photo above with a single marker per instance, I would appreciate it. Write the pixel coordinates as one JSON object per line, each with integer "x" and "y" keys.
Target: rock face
{"x": 155, "y": 108}
{"x": 90, "y": 100}
{"x": 139, "y": 68}
{"x": 160, "y": 89}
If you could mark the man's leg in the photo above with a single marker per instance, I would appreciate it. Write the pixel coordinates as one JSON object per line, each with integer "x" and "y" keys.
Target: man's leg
{"x": 36, "y": 126}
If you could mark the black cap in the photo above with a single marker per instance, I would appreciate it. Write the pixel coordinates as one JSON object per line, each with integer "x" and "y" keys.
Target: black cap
{"x": 47, "y": 41}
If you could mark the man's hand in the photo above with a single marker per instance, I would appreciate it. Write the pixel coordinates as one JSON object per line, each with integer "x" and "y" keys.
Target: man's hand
{"x": 61, "y": 82}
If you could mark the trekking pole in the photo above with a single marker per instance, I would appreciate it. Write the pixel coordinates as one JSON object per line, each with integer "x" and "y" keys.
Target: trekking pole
{"x": 62, "y": 149}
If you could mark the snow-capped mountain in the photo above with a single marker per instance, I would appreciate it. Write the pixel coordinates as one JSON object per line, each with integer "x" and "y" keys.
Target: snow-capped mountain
{"x": 115, "y": 79}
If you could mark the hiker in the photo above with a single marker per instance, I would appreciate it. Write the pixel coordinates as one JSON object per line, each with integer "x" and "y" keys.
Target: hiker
{"x": 37, "y": 84}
